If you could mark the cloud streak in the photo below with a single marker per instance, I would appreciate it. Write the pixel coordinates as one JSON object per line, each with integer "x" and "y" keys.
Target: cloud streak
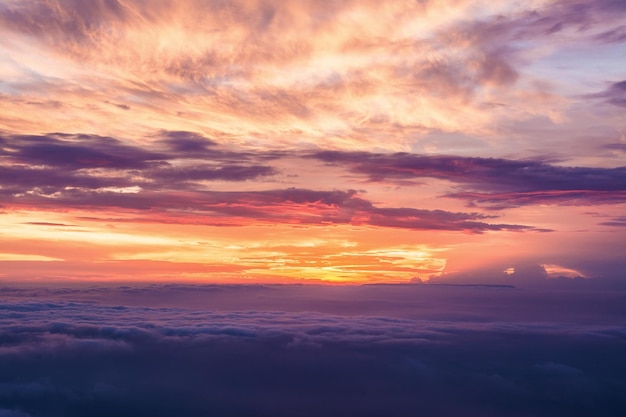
{"x": 92, "y": 171}
{"x": 495, "y": 182}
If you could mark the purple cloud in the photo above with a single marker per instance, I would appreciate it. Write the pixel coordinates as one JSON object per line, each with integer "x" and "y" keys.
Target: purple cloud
{"x": 290, "y": 206}
{"x": 63, "y": 160}
{"x": 500, "y": 201}
{"x": 615, "y": 221}
{"x": 91, "y": 171}
{"x": 76, "y": 152}
{"x": 556, "y": 18}
{"x": 496, "y": 182}
{"x": 209, "y": 173}
{"x": 615, "y": 94}
{"x": 187, "y": 142}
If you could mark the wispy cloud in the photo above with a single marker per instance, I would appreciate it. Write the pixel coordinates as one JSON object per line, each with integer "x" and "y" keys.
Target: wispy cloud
{"x": 265, "y": 68}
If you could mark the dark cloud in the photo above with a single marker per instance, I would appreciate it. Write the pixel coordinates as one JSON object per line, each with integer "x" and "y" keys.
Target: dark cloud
{"x": 617, "y": 35}
{"x": 499, "y": 201}
{"x": 72, "y": 358}
{"x": 497, "y": 182}
{"x": 290, "y": 206}
{"x": 616, "y": 221}
{"x": 616, "y": 146}
{"x": 19, "y": 179}
{"x": 408, "y": 218}
{"x": 92, "y": 171}
{"x": 615, "y": 94}
{"x": 212, "y": 173}
{"x": 57, "y": 161}
{"x": 81, "y": 151}
{"x": 187, "y": 142}
{"x": 76, "y": 152}
{"x": 481, "y": 173}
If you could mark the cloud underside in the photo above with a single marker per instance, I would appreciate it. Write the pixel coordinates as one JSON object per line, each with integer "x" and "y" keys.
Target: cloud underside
{"x": 286, "y": 206}
{"x": 616, "y": 93}
{"x": 494, "y": 183}
{"x": 173, "y": 173}
{"x": 173, "y": 180}
{"x": 94, "y": 359}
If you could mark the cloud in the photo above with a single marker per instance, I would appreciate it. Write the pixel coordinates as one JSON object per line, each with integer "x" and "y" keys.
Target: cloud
{"x": 615, "y": 95}
{"x": 579, "y": 274}
{"x": 18, "y": 179}
{"x": 209, "y": 173}
{"x": 170, "y": 175}
{"x": 616, "y": 146}
{"x": 96, "y": 357}
{"x": 76, "y": 152}
{"x": 619, "y": 221}
{"x": 85, "y": 151}
{"x": 495, "y": 182}
{"x": 286, "y": 206}
{"x": 501, "y": 201}
{"x": 65, "y": 170}
{"x": 567, "y": 20}
{"x": 93, "y": 162}
{"x": 341, "y": 75}
{"x": 187, "y": 142}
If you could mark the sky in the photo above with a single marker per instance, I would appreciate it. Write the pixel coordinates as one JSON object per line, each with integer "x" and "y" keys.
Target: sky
{"x": 447, "y": 177}
{"x": 333, "y": 142}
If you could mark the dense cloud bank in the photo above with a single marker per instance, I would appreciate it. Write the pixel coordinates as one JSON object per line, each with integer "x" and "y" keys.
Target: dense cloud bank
{"x": 62, "y": 355}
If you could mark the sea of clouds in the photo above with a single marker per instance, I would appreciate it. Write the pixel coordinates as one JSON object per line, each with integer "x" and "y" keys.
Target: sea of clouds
{"x": 406, "y": 350}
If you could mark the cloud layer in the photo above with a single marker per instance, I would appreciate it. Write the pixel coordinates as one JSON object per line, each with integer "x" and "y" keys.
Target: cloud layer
{"x": 69, "y": 358}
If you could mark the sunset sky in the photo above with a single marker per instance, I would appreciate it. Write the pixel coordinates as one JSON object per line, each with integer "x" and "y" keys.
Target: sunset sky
{"x": 167, "y": 166}
{"x": 312, "y": 141}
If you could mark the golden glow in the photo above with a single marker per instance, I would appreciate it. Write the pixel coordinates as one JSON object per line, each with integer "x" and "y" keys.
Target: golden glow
{"x": 560, "y": 271}
{"x": 26, "y": 257}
